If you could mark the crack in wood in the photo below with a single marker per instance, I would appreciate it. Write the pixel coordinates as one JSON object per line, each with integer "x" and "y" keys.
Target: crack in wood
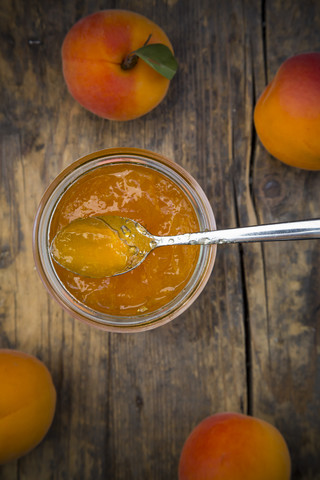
{"x": 264, "y": 38}
{"x": 246, "y": 318}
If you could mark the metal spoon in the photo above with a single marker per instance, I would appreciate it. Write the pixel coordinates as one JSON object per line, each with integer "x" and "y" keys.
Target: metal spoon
{"x": 142, "y": 242}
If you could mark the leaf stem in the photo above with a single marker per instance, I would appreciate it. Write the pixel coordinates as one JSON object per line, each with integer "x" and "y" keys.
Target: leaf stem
{"x": 131, "y": 59}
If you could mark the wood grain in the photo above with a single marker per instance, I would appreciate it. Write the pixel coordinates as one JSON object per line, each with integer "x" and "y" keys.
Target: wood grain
{"x": 250, "y": 343}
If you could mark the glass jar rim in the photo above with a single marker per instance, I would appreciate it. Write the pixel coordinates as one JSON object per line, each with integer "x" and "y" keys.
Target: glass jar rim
{"x": 44, "y": 264}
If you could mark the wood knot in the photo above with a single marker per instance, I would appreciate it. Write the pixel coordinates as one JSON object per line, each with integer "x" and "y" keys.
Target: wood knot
{"x": 272, "y": 190}
{"x": 139, "y": 402}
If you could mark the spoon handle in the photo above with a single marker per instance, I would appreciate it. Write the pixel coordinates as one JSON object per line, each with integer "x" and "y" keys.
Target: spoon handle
{"x": 279, "y": 231}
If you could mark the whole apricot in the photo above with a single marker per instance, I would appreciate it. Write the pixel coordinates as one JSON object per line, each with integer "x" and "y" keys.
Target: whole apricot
{"x": 232, "y": 446}
{"x": 287, "y": 114}
{"x": 27, "y": 403}
{"x": 93, "y": 58}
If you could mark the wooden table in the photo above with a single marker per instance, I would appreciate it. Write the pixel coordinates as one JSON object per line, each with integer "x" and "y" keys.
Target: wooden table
{"x": 250, "y": 343}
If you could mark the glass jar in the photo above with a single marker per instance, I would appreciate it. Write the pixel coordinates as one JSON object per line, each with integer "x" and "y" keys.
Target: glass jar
{"x": 143, "y": 320}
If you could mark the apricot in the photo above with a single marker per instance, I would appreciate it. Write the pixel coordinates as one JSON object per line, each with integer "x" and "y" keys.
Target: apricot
{"x": 93, "y": 53}
{"x": 287, "y": 114}
{"x": 232, "y": 446}
{"x": 27, "y": 403}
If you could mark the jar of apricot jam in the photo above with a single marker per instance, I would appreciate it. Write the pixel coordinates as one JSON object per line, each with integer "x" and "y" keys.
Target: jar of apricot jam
{"x": 145, "y": 187}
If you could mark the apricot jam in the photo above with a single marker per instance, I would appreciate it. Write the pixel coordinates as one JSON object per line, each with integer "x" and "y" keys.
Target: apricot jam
{"x": 150, "y": 198}
{"x": 91, "y": 247}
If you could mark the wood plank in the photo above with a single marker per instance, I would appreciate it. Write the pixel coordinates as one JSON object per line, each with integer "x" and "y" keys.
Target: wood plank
{"x": 284, "y": 308}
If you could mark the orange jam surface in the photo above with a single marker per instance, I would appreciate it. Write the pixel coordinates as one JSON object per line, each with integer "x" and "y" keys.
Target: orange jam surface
{"x": 150, "y": 198}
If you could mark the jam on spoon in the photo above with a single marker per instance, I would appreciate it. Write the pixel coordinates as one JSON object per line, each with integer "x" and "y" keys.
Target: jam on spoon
{"x": 101, "y": 246}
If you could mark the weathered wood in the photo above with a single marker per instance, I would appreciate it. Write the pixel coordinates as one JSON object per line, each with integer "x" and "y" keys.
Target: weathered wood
{"x": 250, "y": 343}
{"x": 288, "y": 364}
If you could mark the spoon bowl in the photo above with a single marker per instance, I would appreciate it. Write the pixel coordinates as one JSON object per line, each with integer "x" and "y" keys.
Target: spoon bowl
{"x": 101, "y": 246}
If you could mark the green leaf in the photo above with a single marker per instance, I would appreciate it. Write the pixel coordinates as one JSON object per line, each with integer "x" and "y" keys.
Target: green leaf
{"x": 160, "y": 58}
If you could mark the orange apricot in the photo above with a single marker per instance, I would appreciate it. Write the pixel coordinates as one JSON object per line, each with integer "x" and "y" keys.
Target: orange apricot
{"x": 287, "y": 114}
{"x": 232, "y": 446}
{"x": 27, "y": 403}
{"x": 93, "y": 53}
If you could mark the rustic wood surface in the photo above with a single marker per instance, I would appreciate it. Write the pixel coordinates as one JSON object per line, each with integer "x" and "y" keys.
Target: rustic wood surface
{"x": 250, "y": 343}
